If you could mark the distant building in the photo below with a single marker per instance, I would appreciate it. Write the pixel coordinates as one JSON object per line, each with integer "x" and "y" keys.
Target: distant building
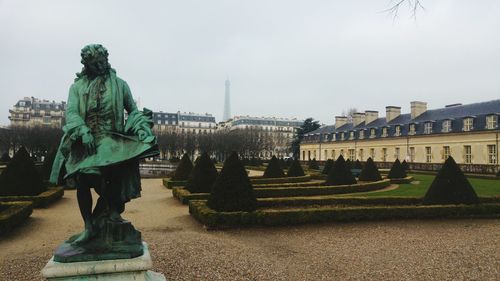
{"x": 280, "y": 130}
{"x": 184, "y": 122}
{"x": 424, "y": 137}
{"x": 30, "y": 112}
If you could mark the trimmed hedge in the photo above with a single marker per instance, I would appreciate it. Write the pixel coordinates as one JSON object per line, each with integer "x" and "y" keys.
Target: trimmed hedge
{"x": 260, "y": 180}
{"x": 13, "y": 213}
{"x": 295, "y": 169}
{"x": 340, "y": 174}
{"x": 358, "y": 165}
{"x": 168, "y": 183}
{"x": 41, "y": 200}
{"x": 21, "y": 177}
{"x": 397, "y": 171}
{"x": 276, "y": 192}
{"x": 212, "y": 219}
{"x": 5, "y": 158}
{"x": 336, "y": 200}
{"x": 407, "y": 179}
{"x": 328, "y": 165}
{"x": 274, "y": 169}
{"x": 202, "y": 176}
{"x": 313, "y": 164}
{"x": 370, "y": 171}
{"x": 183, "y": 169}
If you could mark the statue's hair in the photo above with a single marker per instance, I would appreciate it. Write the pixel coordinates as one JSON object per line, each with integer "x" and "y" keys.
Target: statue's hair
{"x": 91, "y": 51}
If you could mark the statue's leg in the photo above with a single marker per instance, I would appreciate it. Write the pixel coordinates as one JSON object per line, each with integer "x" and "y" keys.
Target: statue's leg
{"x": 112, "y": 192}
{"x": 84, "y": 196}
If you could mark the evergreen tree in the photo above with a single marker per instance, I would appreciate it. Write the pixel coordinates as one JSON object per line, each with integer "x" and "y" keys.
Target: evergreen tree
{"x": 20, "y": 177}
{"x": 295, "y": 169}
{"x": 370, "y": 172}
{"x": 308, "y": 126}
{"x": 232, "y": 190}
{"x": 183, "y": 169}
{"x": 397, "y": 171}
{"x": 203, "y": 175}
{"x": 273, "y": 169}
{"x": 405, "y": 165}
{"x": 327, "y": 167}
{"x": 313, "y": 164}
{"x": 339, "y": 174}
{"x": 450, "y": 186}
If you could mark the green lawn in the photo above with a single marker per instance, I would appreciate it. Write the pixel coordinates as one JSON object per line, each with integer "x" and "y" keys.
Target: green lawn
{"x": 483, "y": 187}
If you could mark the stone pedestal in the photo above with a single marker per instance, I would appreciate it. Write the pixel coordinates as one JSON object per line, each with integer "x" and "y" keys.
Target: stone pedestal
{"x": 136, "y": 269}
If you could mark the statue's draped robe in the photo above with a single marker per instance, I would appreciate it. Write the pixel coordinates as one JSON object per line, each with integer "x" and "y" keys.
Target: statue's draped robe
{"x": 97, "y": 106}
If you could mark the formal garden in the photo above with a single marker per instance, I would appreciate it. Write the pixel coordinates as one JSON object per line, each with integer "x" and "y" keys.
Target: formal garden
{"x": 340, "y": 190}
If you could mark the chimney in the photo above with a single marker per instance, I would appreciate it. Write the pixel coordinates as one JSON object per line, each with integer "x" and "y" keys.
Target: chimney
{"x": 370, "y": 116}
{"x": 340, "y": 121}
{"x": 417, "y": 108}
{"x": 358, "y": 118}
{"x": 392, "y": 112}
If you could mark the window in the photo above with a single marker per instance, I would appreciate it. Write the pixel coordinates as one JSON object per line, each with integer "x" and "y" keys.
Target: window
{"x": 446, "y": 152}
{"x": 428, "y": 128}
{"x": 468, "y": 124}
{"x": 396, "y": 152}
{"x": 492, "y": 154}
{"x": 303, "y": 155}
{"x": 491, "y": 122}
{"x": 333, "y": 154}
{"x": 446, "y": 126}
{"x": 372, "y": 133}
{"x": 341, "y": 136}
{"x": 384, "y": 132}
{"x": 361, "y": 134}
{"x": 398, "y": 131}
{"x": 372, "y": 153}
{"x": 352, "y": 154}
{"x": 159, "y": 122}
{"x": 326, "y": 154}
{"x": 351, "y": 135}
{"x": 46, "y": 119}
{"x": 342, "y": 152}
{"x": 412, "y": 154}
{"x": 413, "y": 129}
{"x": 309, "y": 155}
{"x": 361, "y": 155}
{"x": 428, "y": 154}
{"x": 467, "y": 154}
{"x": 384, "y": 154}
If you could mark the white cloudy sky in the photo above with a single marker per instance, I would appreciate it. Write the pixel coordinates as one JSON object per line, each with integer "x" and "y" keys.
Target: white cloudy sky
{"x": 284, "y": 58}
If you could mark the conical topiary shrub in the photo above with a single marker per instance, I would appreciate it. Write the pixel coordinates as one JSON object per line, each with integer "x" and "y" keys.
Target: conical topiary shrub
{"x": 295, "y": 169}
{"x": 313, "y": 164}
{"x": 339, "y": 174}
{"x": 405, "y": 165}
{"x": 5, "y": 158}
{"x": 282, "y": 163}
{"x": 203, "y": 175}
{"x": 358, "y": 165}
{"x": 327, "y": 167}
{"x": 450, "y": 186}
{"x": 273, "y": 169}
{"x": 370, "y": 172}
{"x": 232, "y": 190}
{"x": 47, "y": 164}
{"x": 20, "y": 177}
{"x": 348, "y": 163}
{"x": 397, "y": 171}
{"x": 183, "y": 169}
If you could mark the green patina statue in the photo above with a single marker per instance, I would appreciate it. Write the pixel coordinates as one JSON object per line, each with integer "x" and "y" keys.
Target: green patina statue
{"x": 101, "y": 149}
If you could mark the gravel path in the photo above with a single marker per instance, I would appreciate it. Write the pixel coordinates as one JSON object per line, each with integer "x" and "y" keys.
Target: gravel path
{"x": 183, "y": 250}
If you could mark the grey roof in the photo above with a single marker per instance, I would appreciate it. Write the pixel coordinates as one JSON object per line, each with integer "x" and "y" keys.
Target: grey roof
{"x": 455, "y": 114}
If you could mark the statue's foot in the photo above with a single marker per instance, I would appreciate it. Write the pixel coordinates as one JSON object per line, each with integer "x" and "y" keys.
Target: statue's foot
{"x": 115, "y": 217}
{"x": 83, "y": 237}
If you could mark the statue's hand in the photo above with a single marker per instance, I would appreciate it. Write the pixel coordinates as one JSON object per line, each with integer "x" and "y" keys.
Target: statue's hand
{"x": 142, "y": 134}
{"x": 88, "y": 142}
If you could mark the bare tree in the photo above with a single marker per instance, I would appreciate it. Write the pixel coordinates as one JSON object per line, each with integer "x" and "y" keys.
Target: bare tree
{"x": 413, "y": 6}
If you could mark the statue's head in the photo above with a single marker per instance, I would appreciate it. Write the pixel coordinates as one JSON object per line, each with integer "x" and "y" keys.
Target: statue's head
{"x": 95, "y": 60}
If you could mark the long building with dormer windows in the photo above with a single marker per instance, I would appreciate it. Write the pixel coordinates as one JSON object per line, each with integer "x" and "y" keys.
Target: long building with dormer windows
{"x": 424, "y": 137}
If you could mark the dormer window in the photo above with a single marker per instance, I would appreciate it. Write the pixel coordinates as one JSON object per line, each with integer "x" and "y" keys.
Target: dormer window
{"x": 384, "y": 132}
{"x": 351, "y": 135}
{"x": 446, "y": 126}
{"x": 372, "y": 132}
{"x": 413, "y": 129}
{"x": 491, "y": 122}
{"x": 468, "y": 124}
{"x": 398, "y": 131}
{"x": 361, "y": 134}
{"x": 342, "y": 136}
{"x": 428, "y": 128}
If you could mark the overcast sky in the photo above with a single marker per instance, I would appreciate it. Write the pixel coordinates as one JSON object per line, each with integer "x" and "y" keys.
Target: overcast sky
{"x": 284, "y": 58}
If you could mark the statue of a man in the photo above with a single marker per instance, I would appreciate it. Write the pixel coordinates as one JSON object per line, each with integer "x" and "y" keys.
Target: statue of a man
{"x": 101, "y": 146}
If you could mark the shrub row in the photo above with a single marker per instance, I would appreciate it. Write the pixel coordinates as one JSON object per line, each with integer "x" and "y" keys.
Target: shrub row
{"x": 288, "y": 184}
{"x": 335, "y": 200}
{"x": 212, "y": 219}
{"x": 13, "y": 213}
{"x": 274, "y": 192}
{"x": 260, "y": 180}
{"x": 41, "y": 200}
{"x": 402, "y": 180}
{"x": 168, "y": 183}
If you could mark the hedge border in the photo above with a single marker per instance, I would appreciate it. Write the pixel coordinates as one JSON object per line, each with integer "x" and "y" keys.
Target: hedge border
{"x": 279, "y": 192}
{"x": 170, "y": 184}
{"x": 408, "y": 179}
{"x": 15, "y": 214}
{"x": 261, "y": 180}
{"x": 42, "y": 200}
{"x": 216, "y": 220}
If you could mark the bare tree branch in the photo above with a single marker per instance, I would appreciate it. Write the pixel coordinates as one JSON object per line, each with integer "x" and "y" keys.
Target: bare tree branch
{"x": 413, "y": 6}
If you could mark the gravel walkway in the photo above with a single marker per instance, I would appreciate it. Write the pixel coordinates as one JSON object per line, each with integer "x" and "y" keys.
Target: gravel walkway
{"x": 183, "y": 250}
